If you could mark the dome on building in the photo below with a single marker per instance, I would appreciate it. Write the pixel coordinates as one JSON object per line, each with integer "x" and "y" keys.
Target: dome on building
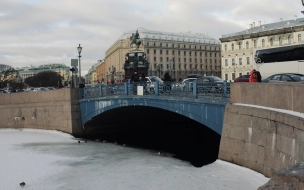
{"x": 170, "y": 36}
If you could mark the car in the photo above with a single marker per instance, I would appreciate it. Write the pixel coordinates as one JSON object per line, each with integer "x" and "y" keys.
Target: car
{"x": 3, "y": 91}
{"x": 210, "y": 84}
{"x": 151, "y": 83}
{"x": 52, "y": 88}
{"x": 194, "y": 76}
{"x": 285, "y": 77}
{"x": 189, "y": 81}
{"x": 243, "y": 78}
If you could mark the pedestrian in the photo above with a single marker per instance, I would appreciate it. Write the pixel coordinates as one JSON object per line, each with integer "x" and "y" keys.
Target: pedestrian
{"x": 81, "y": 85}
{"x": 253, "y": 76}
{"x": 259, "y": 76}
{"x": 135, "y": 77}
{"x": 168, "y": 80}
{"x": 143, "y": 77}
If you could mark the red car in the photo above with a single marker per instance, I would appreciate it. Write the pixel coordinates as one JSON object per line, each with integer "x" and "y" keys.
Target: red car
{"x": 243, "y": 78}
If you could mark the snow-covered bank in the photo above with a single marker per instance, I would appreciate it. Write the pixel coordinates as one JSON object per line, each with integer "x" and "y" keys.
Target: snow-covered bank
{"x": 54, "y": 160}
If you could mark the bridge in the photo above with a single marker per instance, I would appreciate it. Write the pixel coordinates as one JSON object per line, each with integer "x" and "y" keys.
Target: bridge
{"x": 202, "y": 102}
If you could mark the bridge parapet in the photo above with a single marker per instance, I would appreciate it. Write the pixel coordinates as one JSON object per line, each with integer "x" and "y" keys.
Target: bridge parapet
{"x": 169, "y": 89}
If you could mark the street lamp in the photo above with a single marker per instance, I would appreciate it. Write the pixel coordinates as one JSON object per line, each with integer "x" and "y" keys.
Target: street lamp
{"x": 79, "y": 48}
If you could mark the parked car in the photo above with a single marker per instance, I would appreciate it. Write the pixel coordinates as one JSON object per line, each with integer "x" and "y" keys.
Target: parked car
{"x": 151, "y": 83}
{"x": 210, "y": 84}
{"x": 285, "y": 77}
{"x": 194, "y": 76}
{"x": 243, "y": 78}
{"x": 3, "y": 91}
{"x": 189, "y": 81}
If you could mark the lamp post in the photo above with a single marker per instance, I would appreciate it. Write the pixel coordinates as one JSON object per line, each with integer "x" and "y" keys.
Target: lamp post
{"x": 79, "y": 48}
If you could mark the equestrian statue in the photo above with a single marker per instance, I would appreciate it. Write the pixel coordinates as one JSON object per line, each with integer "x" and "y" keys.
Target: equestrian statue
{"x": 135, "y": 40}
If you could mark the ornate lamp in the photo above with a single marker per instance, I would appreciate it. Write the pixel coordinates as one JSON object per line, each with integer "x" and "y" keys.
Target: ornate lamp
{"x": 79, "y": 48}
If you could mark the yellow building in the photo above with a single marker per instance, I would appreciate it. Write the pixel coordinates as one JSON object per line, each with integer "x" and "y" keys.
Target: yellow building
{"x": 190, "y": 53}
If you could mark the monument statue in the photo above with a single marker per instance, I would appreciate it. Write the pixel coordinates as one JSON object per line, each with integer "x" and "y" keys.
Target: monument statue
{"x": 135, "y": 40}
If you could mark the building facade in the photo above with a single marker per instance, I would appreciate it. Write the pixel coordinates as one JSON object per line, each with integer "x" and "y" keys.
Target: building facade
{"x": 91, "y": 76}
{"x": 189, "y": 53}
{"x": 238, "y": 48}
{"x": 59, "y": 68}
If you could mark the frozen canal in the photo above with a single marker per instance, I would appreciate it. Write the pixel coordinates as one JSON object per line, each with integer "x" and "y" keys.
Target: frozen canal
{"x": 54, "y": 160}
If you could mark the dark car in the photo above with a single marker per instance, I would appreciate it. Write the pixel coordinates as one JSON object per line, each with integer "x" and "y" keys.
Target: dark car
{"x": 211, "y": 84}
{"x": 243, "y": 78}
{"x": 285, "y": 77}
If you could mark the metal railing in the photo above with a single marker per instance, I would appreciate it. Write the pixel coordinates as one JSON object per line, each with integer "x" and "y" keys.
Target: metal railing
{"x": 194, "y": 89}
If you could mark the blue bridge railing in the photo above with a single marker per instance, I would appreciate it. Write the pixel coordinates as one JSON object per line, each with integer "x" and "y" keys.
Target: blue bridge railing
{"x": 194, "y": 89}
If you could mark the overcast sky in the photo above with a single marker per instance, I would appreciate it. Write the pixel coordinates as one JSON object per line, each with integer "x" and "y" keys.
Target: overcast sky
{"x": 36, "y": 32}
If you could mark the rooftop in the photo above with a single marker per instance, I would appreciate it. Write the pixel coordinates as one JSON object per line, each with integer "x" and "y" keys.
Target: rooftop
{"x": 268, "y": 27}
{"x": 170, "y": 36}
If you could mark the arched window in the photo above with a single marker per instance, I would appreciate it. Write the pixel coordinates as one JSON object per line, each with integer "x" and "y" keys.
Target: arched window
{"x": 280, "y": 41}
{"x": 240, "y": 45}
{"x": 255, "y": 44}
{"x": 299, "y": 37}
{"x": 247, "y": 45}
{"x": 225, "y": 47}
{"x": 232, "y": 46}
{"x": 289, "y": 39}
{"x": 271, "y": 41}
{"x": 263, "y": 43}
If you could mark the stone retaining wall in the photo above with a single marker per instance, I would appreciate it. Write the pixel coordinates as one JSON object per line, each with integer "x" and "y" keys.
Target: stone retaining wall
{"x": 261, "y": 139}
{"x": 54, "y": 110}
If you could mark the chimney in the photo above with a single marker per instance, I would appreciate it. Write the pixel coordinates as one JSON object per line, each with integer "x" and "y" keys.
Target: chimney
{"x": 295, "y": 17}
{"x": 259, "y": 23}
{"x": 281, "y": 19}
{"x": 253, "y": 25}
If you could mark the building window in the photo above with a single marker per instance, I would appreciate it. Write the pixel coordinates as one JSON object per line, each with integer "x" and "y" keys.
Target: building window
{"x": 240, "y": 45}
{"x": 210, "y": 61}
{"x": 190, "y": 53}
{"x": 184, "y": 46}
{"x": 167, "y": 52}
{"x": 185, "y": 66}
{"x": 289, "y": 39}
{"x": 166, "y": 45}
{"x": 190, "y": 60}
{"x": 247, "y": 45}
{"x": 240, "y": 61}
{"x": 161, "y": 52}
{"x": 226, "y": 76}
{"x": 271, "y": 41}
{"x": 147, "y": 51}
{"x": 206, "y": 54}
{"x": 160, "y": 44}
{"x": 194, "y": 53}
{"x": 232, "y": 46}
{"x": 201, "y": 66}
{"x": 154, "y": 58}
{"x": 240, "y": 74}
{"x": 167, "y": 66}
{"x": 178, "y": 52}
{"x": 299, "y": 37}
{"x": 255, "y": 44}
{"x": 233, "y": 61}
{"x": 201, "y": 60}
{"x": 154, "y": 66}
{"x": 172, "y": 52}
{"x": 248, "y": 60}
{"x": 154, "y": 44}
{"x": 147, "y": 43}
{"x": 210, "y": 54}
{"x": 195, "y": 60}
{"x": 225, "y": 47}
{"x": 172, "y": 45}
{"x": 184, "y": 59}
{"x": 154, "y": 51}
{"x": 263, "y": 43}
{"x": 178, "y": 46}
{"x": 184, "y": 53}
{"x": 233, "y": 76}
{"x": 161, "y": 59}
{"x": 226, "y": 62}
{"x": 190, "y": 66}
{"x": 194, "y": 47}
{"x": 280, "y": 41}
{"x": 167, "y": 59}
{"x": 178, "y": 59}
{"x": 200, "y": 53}
{"x": 179, "y": 66}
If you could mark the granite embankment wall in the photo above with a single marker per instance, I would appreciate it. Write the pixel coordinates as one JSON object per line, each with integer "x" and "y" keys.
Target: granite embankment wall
{"x": 259, "y": 138}
{"x": 54, "y": 110}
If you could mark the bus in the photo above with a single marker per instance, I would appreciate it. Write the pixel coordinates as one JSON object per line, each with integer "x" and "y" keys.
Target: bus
{"x": 283, "y": 59}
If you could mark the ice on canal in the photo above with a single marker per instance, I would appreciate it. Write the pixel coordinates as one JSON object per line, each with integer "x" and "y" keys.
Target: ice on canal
{"x": 54, "y": 160}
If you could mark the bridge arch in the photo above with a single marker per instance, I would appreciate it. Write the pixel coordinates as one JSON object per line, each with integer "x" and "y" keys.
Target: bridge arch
{"x": 208, "y": 113}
